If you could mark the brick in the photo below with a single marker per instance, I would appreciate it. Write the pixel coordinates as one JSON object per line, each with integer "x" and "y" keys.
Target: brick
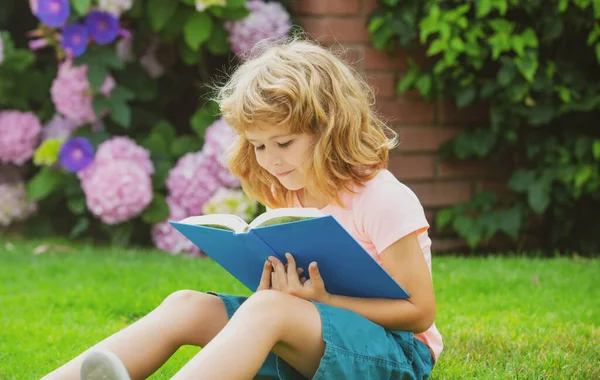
{"x": 327, "y": 30}
{"x": 383, "y": 84}
{"x": 424, "y": 139}
{"x": 407, "y": 112}
{"x": 451, "y": 115}
{"x": 378, "y": 60}
{"x": 326, "y": 7}
{"x": 437, "y": 194}
{"x": 471, "y": 168}
{"x": 412, "y": 167}
{"x": 369, "y": 6}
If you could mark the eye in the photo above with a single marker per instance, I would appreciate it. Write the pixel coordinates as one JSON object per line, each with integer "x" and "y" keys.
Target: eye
{"x": 259, "y": 147}
{"x": 285, "y": 144}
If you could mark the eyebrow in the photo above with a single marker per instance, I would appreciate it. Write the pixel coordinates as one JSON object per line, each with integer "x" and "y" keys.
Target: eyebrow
{"x": 272, "y": 137}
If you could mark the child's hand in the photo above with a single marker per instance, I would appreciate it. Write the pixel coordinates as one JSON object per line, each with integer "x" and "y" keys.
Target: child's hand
{"x": 288, "y": 280}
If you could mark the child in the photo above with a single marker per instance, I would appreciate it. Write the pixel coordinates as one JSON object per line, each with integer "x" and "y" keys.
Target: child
{"x": 307, "y": 137}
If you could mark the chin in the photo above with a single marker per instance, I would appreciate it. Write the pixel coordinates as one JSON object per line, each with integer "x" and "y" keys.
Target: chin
{"x": 292, "y": 186}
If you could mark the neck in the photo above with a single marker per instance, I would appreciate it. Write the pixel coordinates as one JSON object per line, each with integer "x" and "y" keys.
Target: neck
{"x": 309, "y": 200}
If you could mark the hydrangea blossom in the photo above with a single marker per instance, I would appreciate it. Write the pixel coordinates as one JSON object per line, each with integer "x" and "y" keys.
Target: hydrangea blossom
{"x": 14, "y": 205}
{"x": 117, "y": 191}
{"x": 266, "y": 20}
{"x": 124, "y": 148}
{"x": 19, "y": 133}
{"x": 168, "y": 239}
{"x": 192, "y": 182}
{"x": 58, "y": 127}
{"x": 1, "y": 49}
{"x": 231, "y": 201}
{"x": 116, "y": 7}
{"x": 71, "y": 93}
{"x": 218, "y": 137}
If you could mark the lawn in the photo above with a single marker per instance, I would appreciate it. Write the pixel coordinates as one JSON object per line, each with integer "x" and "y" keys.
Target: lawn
{"x": 501, "y": 318}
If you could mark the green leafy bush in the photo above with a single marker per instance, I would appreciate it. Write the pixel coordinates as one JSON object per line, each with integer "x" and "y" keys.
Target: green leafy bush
{"x": 535, "y": 64}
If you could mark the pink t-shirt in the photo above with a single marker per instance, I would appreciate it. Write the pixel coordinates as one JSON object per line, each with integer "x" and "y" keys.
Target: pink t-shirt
{"x": 382, "y": 212}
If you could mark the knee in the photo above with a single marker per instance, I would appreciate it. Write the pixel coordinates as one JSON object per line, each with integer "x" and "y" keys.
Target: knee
{"x": 270, "y": 306}
{"x": 189, "y": 303}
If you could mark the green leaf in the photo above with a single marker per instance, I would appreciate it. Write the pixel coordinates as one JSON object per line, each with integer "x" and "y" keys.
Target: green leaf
{"x": 120, "y": 113}
{"x": 157, "y": 211}
{"x": 562, "y": 5}
{"x": 596, "y": 149}
{"x": 100, "y": 104}
{"x": 444, "y": 217}
{"x": 596, "y": 4}
{"x": 162, "y": 169}
{"x": 529, "y": 38}
{"x": 81, "y": 6}
{"x": 164, "y": 129}
{"x": 509, "y": 221}
{"x": 160, "y": 12}
{"x": 483, "y": 8}
{"x": 538, "y": 195}
{"x": 76, "y": 204}
{"x": 80, "y": 227}
{"x": 197, "y": 30}
{"x": 409, "y": 79}
{"x": 43, "y": 183}
{"x": 598, "y": 52}
{"x": 527, "y": 65}
{"x": 185, "y": 144}
{"x": 465, "y": 96}
{"x": 218, "y": 44}
{"x": 521, "y": 180}
{"x": 583, "y": 174}
{"x": 436, "y": 47}
{"x": 96, "y": 75}
{"x": 424, "y": 84}
{"x": 203, "y": 118}
{"x": 541, "y": 114}
{"x": 122, "y": 94}
{"x": 506, "y": 73}
{"x": 502, "y": 26}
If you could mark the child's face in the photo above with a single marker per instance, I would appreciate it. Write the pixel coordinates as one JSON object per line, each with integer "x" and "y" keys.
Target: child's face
{"x": 281, "y": 153}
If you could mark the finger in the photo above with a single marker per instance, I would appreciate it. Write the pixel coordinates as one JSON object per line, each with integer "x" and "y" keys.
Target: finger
{"x": 303, "y": 280}
{"x": 300, "y": 271}
{"x": 315, "y": 275}
{"x": 292, "y": 273}
{"x": 265, "y": 278}
{"x": 279, "y": 272}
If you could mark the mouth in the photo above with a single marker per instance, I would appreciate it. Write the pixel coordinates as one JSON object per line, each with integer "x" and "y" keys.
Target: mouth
{"x": 283, "y": 174}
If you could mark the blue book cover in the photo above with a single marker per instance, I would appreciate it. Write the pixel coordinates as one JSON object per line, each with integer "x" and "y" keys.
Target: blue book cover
{"x": 346, "y": 267}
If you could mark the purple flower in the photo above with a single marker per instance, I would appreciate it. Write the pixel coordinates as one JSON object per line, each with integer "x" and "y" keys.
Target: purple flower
{"x": 76, "y": 154}
{"x": 103, "y": 26}
{"x": 74, "y": 39}
{"x": 53, "y": 13}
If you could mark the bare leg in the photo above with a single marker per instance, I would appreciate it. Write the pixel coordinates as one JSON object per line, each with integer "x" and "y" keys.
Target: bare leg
{"x": 185, "y": 317}
{"x": 267, "y": 321}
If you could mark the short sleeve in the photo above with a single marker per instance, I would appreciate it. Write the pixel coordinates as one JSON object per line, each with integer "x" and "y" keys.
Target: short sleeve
{"x": 388, "y": 211}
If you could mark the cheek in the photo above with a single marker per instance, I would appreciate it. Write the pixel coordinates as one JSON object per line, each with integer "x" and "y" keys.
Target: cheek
{"x": 259, "y": 159}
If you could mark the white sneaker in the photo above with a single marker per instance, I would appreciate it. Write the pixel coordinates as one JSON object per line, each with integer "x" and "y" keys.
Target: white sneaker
{"x": 103, "y": 365}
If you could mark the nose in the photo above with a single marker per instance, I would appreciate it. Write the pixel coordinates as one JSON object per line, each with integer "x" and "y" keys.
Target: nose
{"x": 273, "y": 159}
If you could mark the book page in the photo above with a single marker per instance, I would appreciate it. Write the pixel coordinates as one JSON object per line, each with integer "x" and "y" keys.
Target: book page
{"x": 284, "y": 215}
{"x": 221, "y": 221}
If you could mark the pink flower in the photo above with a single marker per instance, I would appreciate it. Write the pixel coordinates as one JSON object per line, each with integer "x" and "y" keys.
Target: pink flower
{"x": 168, "y": 239}
{"x": 192, "y": 182}
{"x": 219, "y": 136}
{"x": 122, "y": 148}
{"x": 72, "y": 95}
{"x": 1, "y": 49}
{"x": 266, "y": 20}
{"x": 14, "y": 205}
{"x": 117, "y": 191}
{"x": 19, "y": 133}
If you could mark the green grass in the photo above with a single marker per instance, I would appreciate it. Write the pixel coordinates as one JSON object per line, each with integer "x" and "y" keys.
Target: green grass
{"x": 501, "y": 317}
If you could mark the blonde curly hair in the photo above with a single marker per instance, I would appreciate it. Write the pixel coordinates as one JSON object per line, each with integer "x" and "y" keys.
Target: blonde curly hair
{"x": 304, "y": 88}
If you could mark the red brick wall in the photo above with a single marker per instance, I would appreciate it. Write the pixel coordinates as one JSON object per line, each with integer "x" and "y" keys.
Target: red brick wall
{"x": 422, "y": 125}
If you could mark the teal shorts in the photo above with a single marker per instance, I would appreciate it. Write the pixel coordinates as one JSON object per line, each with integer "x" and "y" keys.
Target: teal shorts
{"x": 355, "y": 348}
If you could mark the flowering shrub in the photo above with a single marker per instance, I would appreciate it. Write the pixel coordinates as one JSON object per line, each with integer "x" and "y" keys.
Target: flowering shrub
{"x": 104, "y": 119}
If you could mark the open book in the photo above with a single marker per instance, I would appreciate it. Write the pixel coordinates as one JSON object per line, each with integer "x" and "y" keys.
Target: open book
{"x": 271, "y": 217}
{"x": 309, "y": 235}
